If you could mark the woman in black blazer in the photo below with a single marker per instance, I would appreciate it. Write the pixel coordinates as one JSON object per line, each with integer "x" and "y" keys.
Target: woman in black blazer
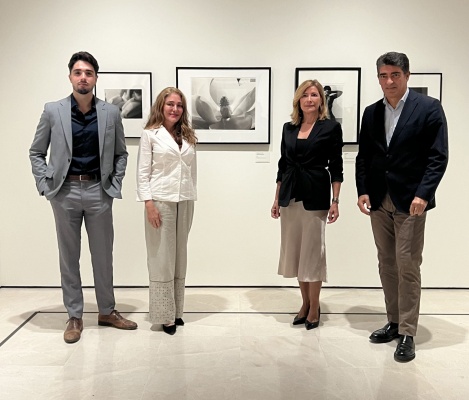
{"x": 310, "y": 163}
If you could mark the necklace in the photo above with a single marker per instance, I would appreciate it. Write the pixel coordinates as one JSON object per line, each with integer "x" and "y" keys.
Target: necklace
{"x": 305, "y": 129}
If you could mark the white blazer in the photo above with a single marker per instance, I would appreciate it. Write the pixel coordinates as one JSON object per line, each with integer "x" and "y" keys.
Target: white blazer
{"x": 164, "y": 172}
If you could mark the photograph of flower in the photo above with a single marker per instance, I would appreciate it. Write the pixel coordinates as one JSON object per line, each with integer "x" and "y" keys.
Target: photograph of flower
{"x": 131, "y": 92}
{"x": 227, "y": 105}
{"x": 342, "y": 91}
{"x": 224, "y": 103}
{"x": 429, "y": 84}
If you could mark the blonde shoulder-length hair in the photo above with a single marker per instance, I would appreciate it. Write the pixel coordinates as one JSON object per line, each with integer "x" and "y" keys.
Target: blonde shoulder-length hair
{"x": 183, "y": 126}
{"x": 297, "y": 114}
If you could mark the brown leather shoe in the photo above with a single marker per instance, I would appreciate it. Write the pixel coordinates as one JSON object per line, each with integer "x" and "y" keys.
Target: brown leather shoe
{"x": 116, "y": 320}
{"x": 73, "y": 330}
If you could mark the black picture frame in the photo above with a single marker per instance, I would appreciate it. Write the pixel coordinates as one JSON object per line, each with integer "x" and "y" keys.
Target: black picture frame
{"x": 344, "y": 99}
{"x": 132, "y": 93}
{"x": 228, "y": 105}
{"x": 428, "y": 83}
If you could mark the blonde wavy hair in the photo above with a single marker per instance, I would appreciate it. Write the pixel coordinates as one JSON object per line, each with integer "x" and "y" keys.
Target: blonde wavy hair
{"x": 183, "y": 127}
{"x": 297, "y": 114}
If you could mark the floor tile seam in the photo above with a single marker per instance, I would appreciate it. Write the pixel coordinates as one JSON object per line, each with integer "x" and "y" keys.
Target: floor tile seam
{"x": 328, "y": 287}
{"x": 18, "y": 328}
{"x": 215, "y": 312}
{"x": 264, "y": 312}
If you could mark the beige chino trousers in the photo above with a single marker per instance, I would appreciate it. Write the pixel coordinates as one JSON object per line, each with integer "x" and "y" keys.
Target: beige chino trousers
{"x": 399, "y": 239}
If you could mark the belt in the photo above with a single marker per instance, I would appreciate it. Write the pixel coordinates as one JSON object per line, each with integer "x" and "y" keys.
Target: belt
{"x": 92, "y": 177}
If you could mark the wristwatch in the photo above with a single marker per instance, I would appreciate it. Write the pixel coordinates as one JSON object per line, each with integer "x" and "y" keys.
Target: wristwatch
{"x": 335, "y": 200}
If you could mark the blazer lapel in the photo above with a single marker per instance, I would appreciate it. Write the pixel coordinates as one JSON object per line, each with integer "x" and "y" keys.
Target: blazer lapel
{"x": 290, "y": 137}
{"x": 101, "y": 111}
{"x": 167, "y": 139}
{"x": 185, "y": 146}
{"x": 379, "y": 130}
{"x": 315, "y": 131}
{"x": 65, "y": 113}
{"x": 317, "y": 127}
{"x": 407, "y": 111}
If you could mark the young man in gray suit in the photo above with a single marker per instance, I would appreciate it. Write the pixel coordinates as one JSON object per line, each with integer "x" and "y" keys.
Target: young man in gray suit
{"x": 402, "y": 156}
{"x": 83, "y": 175}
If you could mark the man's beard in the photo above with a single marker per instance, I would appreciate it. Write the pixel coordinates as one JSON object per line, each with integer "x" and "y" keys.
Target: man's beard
{"x": 83, "y": 90}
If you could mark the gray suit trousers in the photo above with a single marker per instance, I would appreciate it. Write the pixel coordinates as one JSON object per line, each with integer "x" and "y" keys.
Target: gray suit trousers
{"x": 74, "y": 203}
{"x": 399, "y": 239}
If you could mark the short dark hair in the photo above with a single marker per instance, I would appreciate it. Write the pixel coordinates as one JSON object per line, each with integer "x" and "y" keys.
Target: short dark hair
{"x": 83, "y": 56}
{"x": 393, "y": 58}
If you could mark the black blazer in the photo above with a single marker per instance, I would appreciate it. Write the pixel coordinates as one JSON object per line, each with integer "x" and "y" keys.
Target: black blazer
{"x": 320, "y": 165}
{"x": 416, "y": 159}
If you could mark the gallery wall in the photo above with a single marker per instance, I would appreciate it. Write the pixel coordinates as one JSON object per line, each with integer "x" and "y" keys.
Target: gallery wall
{"x": 233, "y": 241}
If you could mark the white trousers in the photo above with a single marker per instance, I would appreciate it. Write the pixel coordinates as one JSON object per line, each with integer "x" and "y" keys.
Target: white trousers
{"x": 167, "y": 259}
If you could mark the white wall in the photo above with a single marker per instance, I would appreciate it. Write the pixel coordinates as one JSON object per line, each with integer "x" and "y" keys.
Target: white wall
{"x": 234, "y": 241}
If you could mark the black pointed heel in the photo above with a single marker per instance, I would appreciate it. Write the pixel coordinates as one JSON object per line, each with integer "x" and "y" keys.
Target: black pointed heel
{"x": 315, "y": 324}
{"x": 300, "y": 320}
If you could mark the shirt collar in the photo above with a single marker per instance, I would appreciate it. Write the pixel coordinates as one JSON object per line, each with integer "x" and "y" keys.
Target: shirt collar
{"x": 75, "y": 104}
{"x": 400, "y": 103}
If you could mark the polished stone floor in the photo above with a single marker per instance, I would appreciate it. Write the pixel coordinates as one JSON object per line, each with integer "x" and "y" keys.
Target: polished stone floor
{"x": 237, "y": 343}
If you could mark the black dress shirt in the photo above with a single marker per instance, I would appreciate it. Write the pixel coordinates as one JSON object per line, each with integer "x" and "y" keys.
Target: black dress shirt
{"x": 85, "y": 152}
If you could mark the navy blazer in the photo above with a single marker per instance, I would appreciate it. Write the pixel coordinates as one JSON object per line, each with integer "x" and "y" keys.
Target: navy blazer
{"x": 415, "y": 160}
{"x": 320, "y": 165}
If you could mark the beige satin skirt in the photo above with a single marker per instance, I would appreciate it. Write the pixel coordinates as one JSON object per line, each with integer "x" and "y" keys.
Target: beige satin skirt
{"x": 303, "y": 247}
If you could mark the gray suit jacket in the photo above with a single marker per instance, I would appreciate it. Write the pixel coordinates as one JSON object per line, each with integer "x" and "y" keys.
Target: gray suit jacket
{"x": 55, "y": 131}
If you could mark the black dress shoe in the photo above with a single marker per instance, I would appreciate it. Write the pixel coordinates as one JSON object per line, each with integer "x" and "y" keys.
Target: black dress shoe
{"x": 388, "y": 332}
{"x": 405, "y": 350}
{"x": 179, "y": 322}
{"x": 169, "y": 329}
{"x": 300, "y": 320}
{"x": 315, "y": 324}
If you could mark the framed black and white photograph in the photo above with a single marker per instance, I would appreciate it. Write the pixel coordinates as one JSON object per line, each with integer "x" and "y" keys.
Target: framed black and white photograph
{"x": 342, "y": 90}
{"x": 227, "y": 105}
{"x": 131, "y": 92}
{"x": 429, "y": 84}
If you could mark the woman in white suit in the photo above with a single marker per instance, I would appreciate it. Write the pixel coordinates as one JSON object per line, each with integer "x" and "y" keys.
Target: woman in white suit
{"x": 167, "y": 183}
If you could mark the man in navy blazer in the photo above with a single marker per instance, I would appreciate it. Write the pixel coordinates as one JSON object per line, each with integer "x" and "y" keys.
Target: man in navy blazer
{"x": 81, "y": 177}
{"x": 402, "y": 156}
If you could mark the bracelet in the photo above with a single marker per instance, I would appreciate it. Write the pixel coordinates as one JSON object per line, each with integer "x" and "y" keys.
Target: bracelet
{"x": 335, "y": 200}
